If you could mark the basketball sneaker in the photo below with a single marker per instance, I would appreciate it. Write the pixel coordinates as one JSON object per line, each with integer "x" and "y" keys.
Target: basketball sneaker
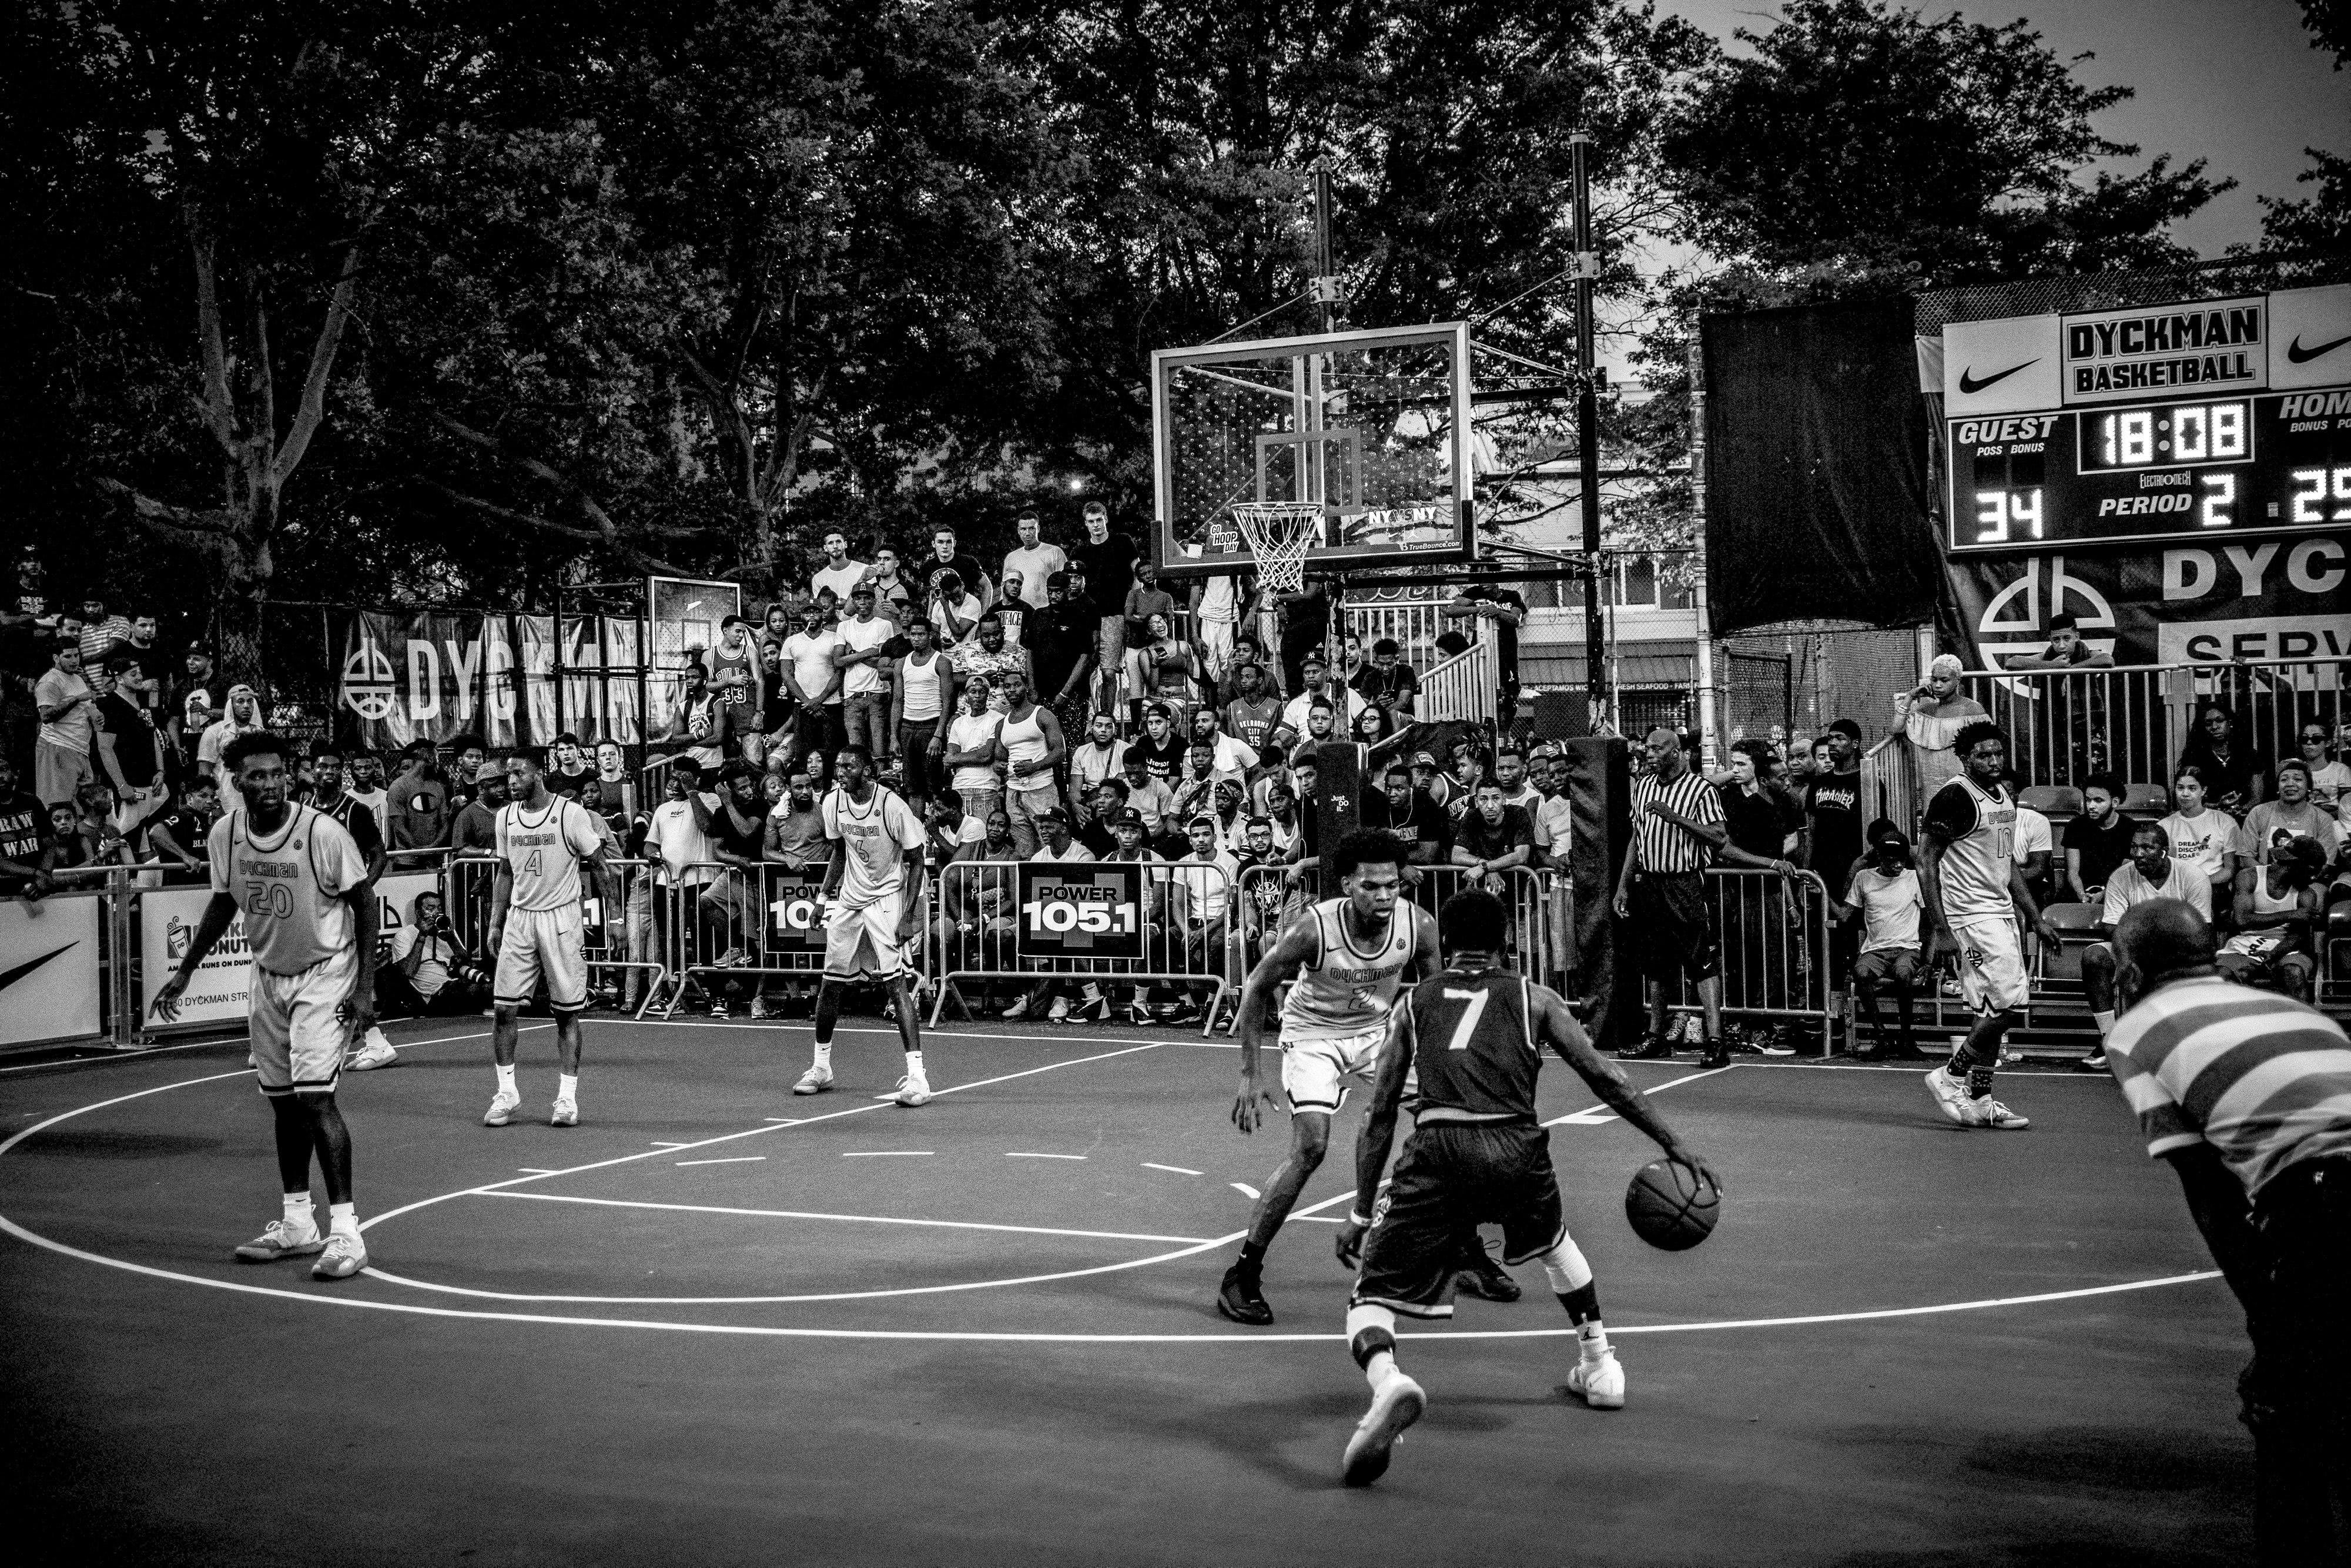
{"x": 2093, "y": 1062}
{"x": 1656, "y": 1048}
{"x": 1238, "y": 1298}
{"x": 373, "y": 1052}
{"x": 1393, "y": 1408}
{"x": 284, "y": 1239}
{"x": 1951, "y": 1096}
{"x": 1060, "y": 1011}
{"x": 815, "y": 1080}
{"x": 345, "y": 1255}
{"x": 502, "y": 1109}
{"x": 913, "y": 1090}
{"x": 565, "y": 1115}
{"x": 1599, "y": 1380}
{"x": 1015, "y": 1012}
{"x": 1482, "y": 1277}
{"x": 1990, "y": 1113}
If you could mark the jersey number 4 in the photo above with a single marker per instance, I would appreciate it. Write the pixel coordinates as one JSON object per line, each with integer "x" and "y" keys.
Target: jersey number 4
{"x": 1468, "y": 1027}
{"x": 530, "y": 866}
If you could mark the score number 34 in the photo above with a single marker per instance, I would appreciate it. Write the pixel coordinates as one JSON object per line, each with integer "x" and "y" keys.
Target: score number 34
{"x": 2005, "y": 515}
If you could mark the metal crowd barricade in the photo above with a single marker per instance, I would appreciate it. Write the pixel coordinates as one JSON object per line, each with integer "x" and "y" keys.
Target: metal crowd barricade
{"x": 1772, "y": 934}
{"x": 730, "y": 923}
{"x": 52, "y": 935}
{"x": 975, "y": 935}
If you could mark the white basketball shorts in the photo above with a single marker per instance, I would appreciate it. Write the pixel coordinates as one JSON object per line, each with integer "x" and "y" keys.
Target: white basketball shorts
{"x": 1992, "y": 965}
{"x": 542, "y": 943}
{"x": 862, "y": 939}
{"x": 301, "y": 1025}
{"x": 1315, "y": 1069}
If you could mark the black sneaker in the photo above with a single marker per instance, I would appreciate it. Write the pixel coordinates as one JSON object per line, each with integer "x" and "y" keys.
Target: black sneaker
{"x": 1714, "y": 1053}
{"x": 1485, "y": 1279}
{"x": 1656, "y": 1048}
{"x": 1238, "y": 1298}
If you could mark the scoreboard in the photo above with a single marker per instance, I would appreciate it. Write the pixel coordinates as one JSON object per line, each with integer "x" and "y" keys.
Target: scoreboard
{"x": 2202, "y": 468}
{"x": 2151, "y": 424}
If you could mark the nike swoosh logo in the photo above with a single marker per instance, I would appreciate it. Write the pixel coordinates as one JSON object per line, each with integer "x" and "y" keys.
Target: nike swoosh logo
{"x": 2302, "y": 356}
{"x": 1970, "y": 386}
{"x": 10, "y": 976}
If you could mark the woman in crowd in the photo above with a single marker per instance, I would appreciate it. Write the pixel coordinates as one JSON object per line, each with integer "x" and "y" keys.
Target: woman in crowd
{"x": 2232, "y": 771}
{"x": 2207, "y": 839}
{"x": 1930, "y": 716}
{"x": 1164, "y": 669}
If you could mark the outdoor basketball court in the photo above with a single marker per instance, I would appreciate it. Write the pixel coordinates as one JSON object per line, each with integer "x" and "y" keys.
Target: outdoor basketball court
{"x": 717, "y": 1323}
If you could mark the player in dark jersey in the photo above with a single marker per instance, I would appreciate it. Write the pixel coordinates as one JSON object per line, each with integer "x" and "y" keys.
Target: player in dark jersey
{"x": 1470, "y": 1037}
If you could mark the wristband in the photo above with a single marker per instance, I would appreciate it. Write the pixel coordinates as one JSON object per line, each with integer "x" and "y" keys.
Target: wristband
{"x": 1354, "y": 1218}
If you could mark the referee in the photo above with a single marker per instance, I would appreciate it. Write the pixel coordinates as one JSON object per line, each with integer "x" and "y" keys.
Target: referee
{"x": 1677, "y": 828}
{"x": 2248, "y": 1094}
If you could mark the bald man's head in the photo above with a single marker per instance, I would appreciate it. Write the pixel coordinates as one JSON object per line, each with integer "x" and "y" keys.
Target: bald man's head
{"x": 2162, "y": 939}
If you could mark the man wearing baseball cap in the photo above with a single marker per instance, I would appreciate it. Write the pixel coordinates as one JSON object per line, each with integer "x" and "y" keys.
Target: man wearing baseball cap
{"x": 475, "y": 830}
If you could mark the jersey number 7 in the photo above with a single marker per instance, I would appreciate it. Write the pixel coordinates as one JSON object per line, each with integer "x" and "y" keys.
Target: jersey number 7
{"x": 1469, "y": 1015}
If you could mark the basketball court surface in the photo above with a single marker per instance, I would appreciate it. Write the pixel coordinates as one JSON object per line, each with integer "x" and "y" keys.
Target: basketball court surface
{"x": 716, "y": 1323}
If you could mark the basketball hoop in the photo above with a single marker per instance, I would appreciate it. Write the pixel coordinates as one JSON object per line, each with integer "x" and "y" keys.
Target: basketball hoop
{"x": 1277, "y": 534}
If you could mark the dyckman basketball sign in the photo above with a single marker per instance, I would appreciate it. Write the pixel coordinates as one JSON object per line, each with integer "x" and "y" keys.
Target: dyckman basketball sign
{"x": 435, "y": 675}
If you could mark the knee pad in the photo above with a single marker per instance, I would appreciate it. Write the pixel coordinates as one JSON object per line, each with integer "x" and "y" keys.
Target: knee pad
{"x": 1566, "y": 1267}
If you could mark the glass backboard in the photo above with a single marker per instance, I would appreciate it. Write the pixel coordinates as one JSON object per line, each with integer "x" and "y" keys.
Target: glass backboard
{"x": 1374, "y": 425}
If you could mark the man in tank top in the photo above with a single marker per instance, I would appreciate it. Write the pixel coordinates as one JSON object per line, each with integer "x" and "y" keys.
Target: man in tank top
{"x": 922, "y": 704}
{"x": 1030, "y": 749}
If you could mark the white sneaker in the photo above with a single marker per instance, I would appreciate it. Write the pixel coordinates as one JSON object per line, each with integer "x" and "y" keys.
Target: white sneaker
{"x": 913, "y": 1090}
{"x": 815, "y": 1080}
{"x": 1951, "y": 1096}
{"x": 1015, "y": 1012}
{"x": 373, "y": 1052}
{"x": 284, "y": 1239}
{"x": 345, "y": 1255}
{"x": 1990, "y": 1113}
{"x": 252, "y": 1061}
{"x": 1393, "y": 1408}
{"x": 502, "y": 1109}
{"x": 1599, "y": 1380}
{"x": 1060, "y": 1011}
{"x": 565, "y": 1115}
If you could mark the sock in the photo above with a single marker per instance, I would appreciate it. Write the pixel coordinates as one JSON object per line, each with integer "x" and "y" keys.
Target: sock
{"x": 1371, "y": 1339}
{"x": 343, "y": 1219}
{"x": 914, "y": 1064}
{"x": 297, "y": 1210}
{"x": 566, "y": 1086}
{"x": 824, "y": 1054}
{"x": 1979, "y": 1082}
{"x": 375, "y": 1037}
{"x": 506, "y": 1082}
{"x": 1957, "y": 1066}
{"x": 2105, "y": 1023}
{"x": 1252, "y": 1258}
{"x": 1590, "y": 1337}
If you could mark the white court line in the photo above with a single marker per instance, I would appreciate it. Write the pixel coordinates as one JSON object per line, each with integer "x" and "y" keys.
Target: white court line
{"x": 885, "y": 1153}
{"x": 1244, "y": 1189}
{"x": 729, "y": 1160}
{"x": 534, "y": 1170}
{"x": 1597, "y": 1116}
{"x": 146, "y": 1051}
{"x": 1019, "y": 1155}
{"x": 1180, "y": 1170}
{"x": 782, "y": 1121}
{"x": 660, "y": 1144}
{"x": 858, "y": 1218}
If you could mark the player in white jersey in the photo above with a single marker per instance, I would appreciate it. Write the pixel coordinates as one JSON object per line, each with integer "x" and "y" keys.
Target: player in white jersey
{"x": 1974, "y": 894}
{"x": 537, "y": 926}
{"x": 1348, "y": 954}
{"x": 302, "y": 887}
{"x": 872, "y": 895}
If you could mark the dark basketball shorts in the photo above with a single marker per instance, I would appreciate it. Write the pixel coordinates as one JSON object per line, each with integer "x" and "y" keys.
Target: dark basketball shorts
{"x": 1899, "y": 965}
{"x": 1671, "y": 928}
{"x": 1453, "y": 1176}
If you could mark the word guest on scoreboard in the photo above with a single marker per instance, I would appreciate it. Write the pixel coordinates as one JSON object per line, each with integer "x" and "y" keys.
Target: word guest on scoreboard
{"x": 2152, "y": 423}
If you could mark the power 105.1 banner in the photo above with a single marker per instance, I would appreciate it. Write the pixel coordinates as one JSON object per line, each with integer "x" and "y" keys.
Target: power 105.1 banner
{"x": 1086, "y": 910}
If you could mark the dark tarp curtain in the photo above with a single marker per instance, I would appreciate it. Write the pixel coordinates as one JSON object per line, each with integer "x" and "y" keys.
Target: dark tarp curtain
{"x": 1816, "y": 489}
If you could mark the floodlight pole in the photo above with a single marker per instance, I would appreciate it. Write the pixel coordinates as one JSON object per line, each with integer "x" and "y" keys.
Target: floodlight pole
{"x": 1328, "y": 297}
{"x": 1587, "y": 435}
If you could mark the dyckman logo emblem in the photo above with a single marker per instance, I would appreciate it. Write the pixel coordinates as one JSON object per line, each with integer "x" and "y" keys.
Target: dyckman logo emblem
{"x": 2302, "y": 356}
{"x": 370, "y": 685}
{"x": 1970, "y": 386}
{"x": 10, "y": 976}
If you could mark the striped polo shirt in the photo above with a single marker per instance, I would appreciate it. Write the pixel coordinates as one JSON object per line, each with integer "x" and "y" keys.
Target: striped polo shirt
{"x": 2261, "y": 1077}
{"x": 1664, "y": 846}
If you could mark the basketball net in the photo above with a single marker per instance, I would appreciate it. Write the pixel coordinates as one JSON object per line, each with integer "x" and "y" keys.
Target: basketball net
{"x": 1277, "y": 534}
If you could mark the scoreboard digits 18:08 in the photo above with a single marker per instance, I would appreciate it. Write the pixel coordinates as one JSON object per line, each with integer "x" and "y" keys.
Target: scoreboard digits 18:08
{"x": 2264, "y": 463}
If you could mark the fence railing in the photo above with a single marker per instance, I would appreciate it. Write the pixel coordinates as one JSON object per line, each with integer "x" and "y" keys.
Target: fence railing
{"x": 1774, "y": 935}
{"x": 2136, "y": 721}
{"x": 1464, "y": 688}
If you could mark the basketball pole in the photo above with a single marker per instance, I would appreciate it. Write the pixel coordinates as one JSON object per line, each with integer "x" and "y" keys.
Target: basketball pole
{"x": 1328, "y": 296}
{"x": 1587, "y": 438}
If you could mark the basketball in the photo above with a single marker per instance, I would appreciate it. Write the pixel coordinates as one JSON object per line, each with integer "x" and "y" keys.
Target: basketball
{"x": 1669, "y": 1208}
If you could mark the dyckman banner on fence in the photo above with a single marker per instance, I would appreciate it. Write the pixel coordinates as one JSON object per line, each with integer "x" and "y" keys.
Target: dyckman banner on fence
{"x": 49, "y": 970}
{"x": 435, "y": 675}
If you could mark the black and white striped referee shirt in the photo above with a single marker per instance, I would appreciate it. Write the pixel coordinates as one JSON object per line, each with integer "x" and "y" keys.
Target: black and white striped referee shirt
{"x": 1664, "y": 846}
